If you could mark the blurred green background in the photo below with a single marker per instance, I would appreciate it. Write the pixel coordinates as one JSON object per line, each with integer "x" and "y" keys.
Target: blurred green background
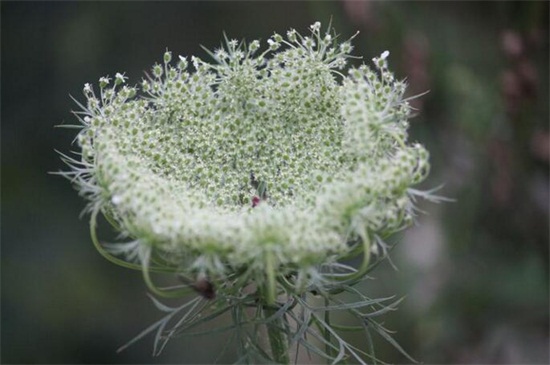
{"x": 475, "y": 272}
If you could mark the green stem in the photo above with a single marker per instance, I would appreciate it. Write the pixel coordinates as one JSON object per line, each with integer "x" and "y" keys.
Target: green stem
{"x": 271, "y": 290}
{"x": 277, "y": 339}
{"x": 101, "y": 250}
{"x": 326, "y": 333}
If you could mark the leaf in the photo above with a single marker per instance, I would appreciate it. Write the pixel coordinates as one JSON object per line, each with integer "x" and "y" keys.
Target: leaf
{"x": 392, "y": 341}
{"x": 142, "y": 334}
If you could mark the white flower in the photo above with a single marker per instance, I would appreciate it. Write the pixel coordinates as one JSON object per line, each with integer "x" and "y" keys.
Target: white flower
{"x": 120, "y": 78}
{"x": 255, "y": 170}
{"x": 273, "y": 45}
{"x": 87, "y": 88}
{"x": 104, "y": 81}
{"x": 291, "y": 35}
{"x": 315, "y": 27}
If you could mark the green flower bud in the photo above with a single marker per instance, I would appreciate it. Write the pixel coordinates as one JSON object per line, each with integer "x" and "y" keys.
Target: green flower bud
{"x": 167, "y": 57}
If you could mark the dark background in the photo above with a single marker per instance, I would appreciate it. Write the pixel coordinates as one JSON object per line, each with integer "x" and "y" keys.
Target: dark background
{"x": 475, "y": 272}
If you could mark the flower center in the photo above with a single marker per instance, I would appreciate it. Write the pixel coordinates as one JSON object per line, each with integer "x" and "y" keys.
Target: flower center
{"x": 273, "y": 133}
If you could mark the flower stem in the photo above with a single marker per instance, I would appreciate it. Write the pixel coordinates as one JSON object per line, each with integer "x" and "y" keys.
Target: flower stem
{"x": 326, "y": 333}
{"x": 271, "y": 290}
{"x": 277, "y": 338}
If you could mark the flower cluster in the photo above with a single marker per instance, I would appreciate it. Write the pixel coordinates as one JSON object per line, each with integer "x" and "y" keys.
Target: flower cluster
{"x": 264, "y": 167}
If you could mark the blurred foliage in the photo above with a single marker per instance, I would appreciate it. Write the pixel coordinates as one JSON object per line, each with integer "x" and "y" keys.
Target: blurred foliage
{"x": 475, "y": 272}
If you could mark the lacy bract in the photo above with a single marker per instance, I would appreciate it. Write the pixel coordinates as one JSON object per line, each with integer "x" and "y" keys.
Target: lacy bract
{"x": 267, "y": 162}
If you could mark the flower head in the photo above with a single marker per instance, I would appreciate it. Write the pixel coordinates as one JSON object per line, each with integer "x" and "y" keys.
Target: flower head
{"x": 265, "y": 168}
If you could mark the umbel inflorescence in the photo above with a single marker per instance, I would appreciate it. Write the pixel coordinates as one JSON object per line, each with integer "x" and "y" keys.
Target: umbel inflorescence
{"x": 255, "y": 179}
